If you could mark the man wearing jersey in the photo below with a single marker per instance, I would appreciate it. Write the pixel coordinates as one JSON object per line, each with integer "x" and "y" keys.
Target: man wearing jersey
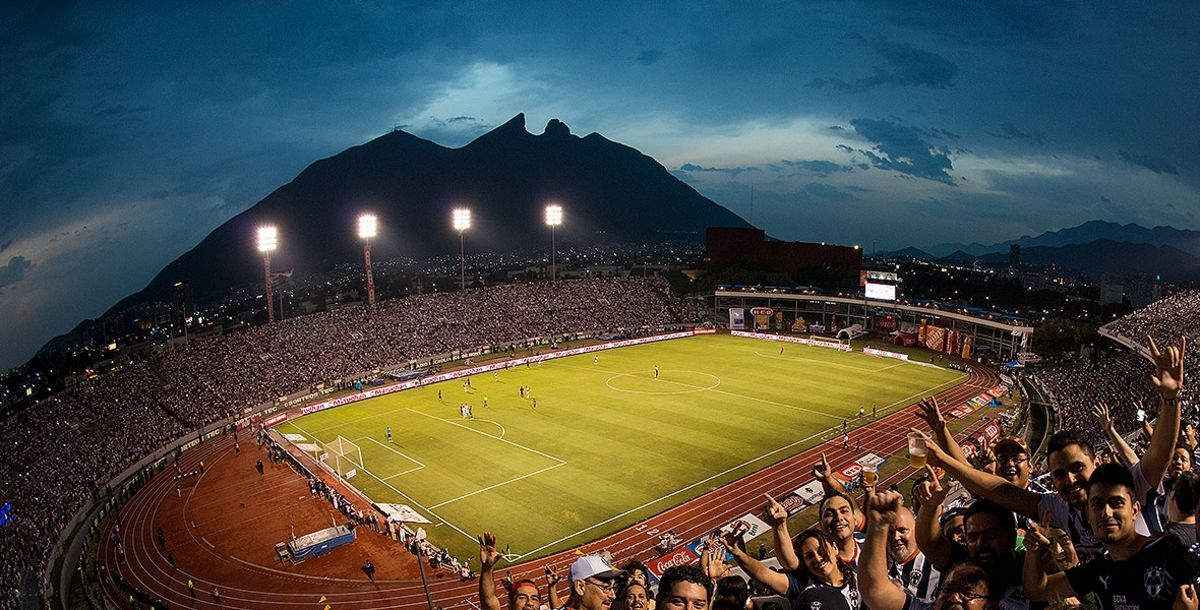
{"x": 1136, "y": 573}
{"x": 907, "y": 565}
{"x": 1072, "y": 462}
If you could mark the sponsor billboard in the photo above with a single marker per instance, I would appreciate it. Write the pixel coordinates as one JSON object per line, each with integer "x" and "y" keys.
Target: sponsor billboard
{"x": 682, "y": 556}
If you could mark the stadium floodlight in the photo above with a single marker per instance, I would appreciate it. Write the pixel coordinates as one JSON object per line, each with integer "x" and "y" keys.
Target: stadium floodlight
{"x": 461, "y": 219}
{"x": 268, "y": 240}
{"x": 368, "y": 227}
{"x": 554, "y": 218}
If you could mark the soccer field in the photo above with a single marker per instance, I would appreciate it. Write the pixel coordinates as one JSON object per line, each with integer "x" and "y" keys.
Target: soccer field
{"x": 608, "y": 444}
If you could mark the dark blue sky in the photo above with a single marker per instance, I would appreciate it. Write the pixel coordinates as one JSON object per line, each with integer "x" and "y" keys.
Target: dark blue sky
{"x": 128, "y": 132}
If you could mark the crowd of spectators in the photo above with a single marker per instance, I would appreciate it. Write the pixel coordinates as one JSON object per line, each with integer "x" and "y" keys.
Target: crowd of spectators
{"x": 54, "y": 454}
{"x": 1117, "y": 531}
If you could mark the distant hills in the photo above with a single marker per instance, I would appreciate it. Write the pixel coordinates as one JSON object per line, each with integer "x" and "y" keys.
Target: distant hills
{"x": 1093, "y": 248}
{"x": 1183, "y": 239}
{"x": 610, "y": 192}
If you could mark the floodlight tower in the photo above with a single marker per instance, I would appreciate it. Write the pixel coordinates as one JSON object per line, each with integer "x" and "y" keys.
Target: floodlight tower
{"x": 268, "y": 239}
{"x": 554, "y": 218}
{"x": 367, "y": 228}
{"x": 462, "y": 222}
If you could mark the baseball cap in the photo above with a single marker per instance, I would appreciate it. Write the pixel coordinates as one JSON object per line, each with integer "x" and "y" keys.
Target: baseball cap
{"x": 593, "y": 566}
{"x": 1011, "y": 441}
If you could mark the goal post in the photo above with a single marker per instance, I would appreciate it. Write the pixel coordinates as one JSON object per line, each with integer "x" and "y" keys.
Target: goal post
{"x": 342, "y": 455}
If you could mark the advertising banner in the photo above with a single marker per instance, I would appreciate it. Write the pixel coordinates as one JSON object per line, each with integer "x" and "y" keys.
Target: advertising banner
{"x": 682, "y": 556}
{"x": 811, "y": 492}
{"x": 737, "y": 318}
{"x": 748, "y": 526}
{"x": 792, "y": 503}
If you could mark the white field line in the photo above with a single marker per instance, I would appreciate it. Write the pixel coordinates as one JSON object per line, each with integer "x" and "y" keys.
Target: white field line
{"x": 502, "y": 440}
{"x": 500, "y": 484}
{"x": 810, "y": 437}
{"x": 498, "y": 424}
{"x": 399, "y": 453}
{"x": 402, "y": 494}
{"x": 826, "y": 362}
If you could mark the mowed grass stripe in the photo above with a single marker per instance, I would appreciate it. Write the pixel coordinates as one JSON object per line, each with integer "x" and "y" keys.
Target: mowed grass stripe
{"x": 624, "y": 450}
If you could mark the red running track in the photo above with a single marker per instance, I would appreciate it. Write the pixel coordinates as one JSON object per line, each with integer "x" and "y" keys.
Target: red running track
{"x": 253, "y": 587}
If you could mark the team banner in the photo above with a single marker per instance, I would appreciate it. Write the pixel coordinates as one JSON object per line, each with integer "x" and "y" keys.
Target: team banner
{"x": 792, "y": 503}
{"x": 401, "y": 512}
{"x": 748, "y": 527}
{"x": 737, "y": 318}
{"x": 811, "y": 492}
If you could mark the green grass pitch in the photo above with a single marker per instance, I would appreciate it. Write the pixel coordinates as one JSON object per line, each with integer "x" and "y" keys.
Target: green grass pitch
{"x": 608, "y": 444}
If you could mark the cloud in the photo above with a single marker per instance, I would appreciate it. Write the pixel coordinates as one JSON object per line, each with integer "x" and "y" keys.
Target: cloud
{"x": 14, "y": 271}
{"x": 819, "y": 167}
{"x": 732, "y": 171}
{"x": 1157, "y": 165}
{"x": 649, "y": 56}
{"x": 903, "y": 149}
{"x": 5, "y": 245}
{"x": 1008, "y": 131}
{"x": 905, "y": 66}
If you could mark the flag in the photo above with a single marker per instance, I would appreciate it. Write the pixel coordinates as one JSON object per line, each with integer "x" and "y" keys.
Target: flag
{"x": 321, "y": 600}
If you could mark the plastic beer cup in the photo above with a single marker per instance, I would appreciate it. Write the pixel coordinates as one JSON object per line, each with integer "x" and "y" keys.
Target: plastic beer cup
{"x": 917, "y": 451}
{"x": 869, "y": 473}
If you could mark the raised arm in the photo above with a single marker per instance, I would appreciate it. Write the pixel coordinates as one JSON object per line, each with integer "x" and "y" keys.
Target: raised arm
{"x": 776, "y": 516}
{"x": 931, "y": 412}
{"x": 552, "y": 580}
{"x": 488, "y": 556}
{"x": 1124, "y": 452}
{"x": 931, "y": 494}
{"x": 1168, "y": 378}
{"x": 878, "y": 591}
{"x": 985, "y": 485}
{"x": 775, "y": 581}
{"x": 824, "y": 473}
{"x": 1040, "y": 586}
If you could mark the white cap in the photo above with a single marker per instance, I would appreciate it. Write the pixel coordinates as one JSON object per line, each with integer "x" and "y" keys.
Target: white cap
{"x": 593, "y": 566}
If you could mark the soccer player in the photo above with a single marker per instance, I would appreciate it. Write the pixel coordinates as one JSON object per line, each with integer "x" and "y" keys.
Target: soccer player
{"x": 596, "y": 359}
{"x": 656, "y": 371}
{"x": 535, "y": 404}
{"x": 485, "y": 402}
{"x": 389, "y": 433}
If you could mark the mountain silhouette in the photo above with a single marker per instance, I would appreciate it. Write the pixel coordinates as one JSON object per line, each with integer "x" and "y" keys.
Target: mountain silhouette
{"x": 1088, "y": 232}
{"x": 610, "y": 193}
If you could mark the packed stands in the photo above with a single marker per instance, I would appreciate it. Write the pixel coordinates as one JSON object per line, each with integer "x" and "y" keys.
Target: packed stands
{"x": 71, "y": 445}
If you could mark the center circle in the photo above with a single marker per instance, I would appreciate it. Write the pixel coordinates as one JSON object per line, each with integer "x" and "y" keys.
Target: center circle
{"x": 669, "y": 381}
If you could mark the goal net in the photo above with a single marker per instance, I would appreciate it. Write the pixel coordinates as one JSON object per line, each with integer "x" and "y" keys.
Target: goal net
{"x": 342, "y": 456}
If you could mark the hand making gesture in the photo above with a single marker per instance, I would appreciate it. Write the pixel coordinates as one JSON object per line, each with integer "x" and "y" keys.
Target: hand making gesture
{"x": 1168, "y": 368}
{"x": 488, "y": 555}
{"x": 931, "y": 492}
{"x": 932, "y": 413}
{"x": 1101, "y": 412}
{"x": 774, "y": 513}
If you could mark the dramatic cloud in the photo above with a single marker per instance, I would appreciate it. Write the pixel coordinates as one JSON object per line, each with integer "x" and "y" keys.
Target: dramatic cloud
{"x": 14, "y": 271}
{"x": 818, "y": 167}
{"x": 1008, "y": 131}
{"x": 1157, "y": 165}
{"x": 903, "y": 149}
{"x": 905, "y": 66}
{"x": 732, "y": 171}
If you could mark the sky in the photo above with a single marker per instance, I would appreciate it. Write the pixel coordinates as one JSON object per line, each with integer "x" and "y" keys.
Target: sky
{"x": 130, "y": 130}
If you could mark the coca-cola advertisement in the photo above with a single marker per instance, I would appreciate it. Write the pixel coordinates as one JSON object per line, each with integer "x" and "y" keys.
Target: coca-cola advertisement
{"x": 682, "y": 556}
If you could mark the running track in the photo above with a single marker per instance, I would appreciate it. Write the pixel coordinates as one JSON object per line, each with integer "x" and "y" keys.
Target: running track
{"x": 258, "y": 588}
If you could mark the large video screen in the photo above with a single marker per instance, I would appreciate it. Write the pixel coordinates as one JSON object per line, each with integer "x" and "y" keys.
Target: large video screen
{"x": 883, "y": 292}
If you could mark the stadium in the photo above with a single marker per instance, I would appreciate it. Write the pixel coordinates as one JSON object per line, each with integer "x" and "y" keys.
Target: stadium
{"x": 813, "y": 306}
{"x": 567, "y": 418}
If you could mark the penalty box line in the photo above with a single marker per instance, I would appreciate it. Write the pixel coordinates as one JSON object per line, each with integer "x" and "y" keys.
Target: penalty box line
{"x": 419, "y": 464}
{"x": 402, "y": 495}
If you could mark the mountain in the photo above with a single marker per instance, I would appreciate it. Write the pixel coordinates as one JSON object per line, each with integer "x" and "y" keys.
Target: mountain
{"x": 1107, "y": 256}
{"x": 1182, "y": 239}
{"x": 610, "y": 193}
{"x": 909, "y": 252}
